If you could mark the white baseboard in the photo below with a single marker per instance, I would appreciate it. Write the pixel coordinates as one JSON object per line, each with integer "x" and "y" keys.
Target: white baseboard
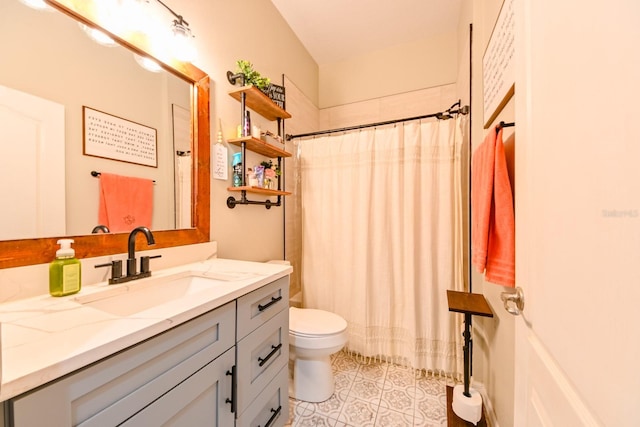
{"x": 489, "y": 413}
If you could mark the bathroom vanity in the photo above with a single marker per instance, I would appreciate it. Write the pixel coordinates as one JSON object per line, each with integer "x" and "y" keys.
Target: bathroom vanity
{"x": 201, "y": 344}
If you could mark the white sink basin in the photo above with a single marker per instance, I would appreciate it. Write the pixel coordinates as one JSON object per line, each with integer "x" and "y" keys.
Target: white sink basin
{"x": 137, "y": 296}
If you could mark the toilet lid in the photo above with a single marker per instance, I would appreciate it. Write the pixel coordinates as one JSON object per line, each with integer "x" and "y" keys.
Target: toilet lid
{"x": 309, "y": 321}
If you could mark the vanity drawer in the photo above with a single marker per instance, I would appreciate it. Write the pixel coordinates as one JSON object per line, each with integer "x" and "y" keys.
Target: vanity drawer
{"x": 163, "y": 360}
{"x": 200, "y": 400}
{"x": 257, "y": 307}
{"x": 260, "y": 356}
{"x": 271, "y": 408}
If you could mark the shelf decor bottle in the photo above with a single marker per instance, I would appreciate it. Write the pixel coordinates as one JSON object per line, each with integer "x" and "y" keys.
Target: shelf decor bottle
{"x": 247, "y": 124}
{"x": 237, "y": 169}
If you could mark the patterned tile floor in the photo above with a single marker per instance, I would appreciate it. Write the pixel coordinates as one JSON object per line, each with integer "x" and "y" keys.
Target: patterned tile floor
{"x": 375, "y": 394}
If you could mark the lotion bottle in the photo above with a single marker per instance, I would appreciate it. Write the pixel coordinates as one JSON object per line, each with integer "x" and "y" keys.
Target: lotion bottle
{"x": 65, "y": 271}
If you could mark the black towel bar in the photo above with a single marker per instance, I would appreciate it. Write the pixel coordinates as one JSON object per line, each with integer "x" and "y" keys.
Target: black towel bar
{"x": 97, "y": 174}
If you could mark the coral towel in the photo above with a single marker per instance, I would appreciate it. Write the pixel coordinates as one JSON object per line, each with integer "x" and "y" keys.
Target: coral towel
{"x": 125, "y": 202}
{"x": 492, "y": 217}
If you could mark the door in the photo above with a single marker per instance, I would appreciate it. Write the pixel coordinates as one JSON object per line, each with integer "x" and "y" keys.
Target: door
{"x": 577, "y": 213}
{"x": 32, "y": 189}
{"x": 181, "y": 120}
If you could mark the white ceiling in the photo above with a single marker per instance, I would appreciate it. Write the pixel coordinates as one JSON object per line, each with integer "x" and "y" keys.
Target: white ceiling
{"x": 333, "y": 30}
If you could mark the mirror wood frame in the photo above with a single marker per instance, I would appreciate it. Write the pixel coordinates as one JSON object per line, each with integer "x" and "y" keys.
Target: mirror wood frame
{"x": 17, "y": 253}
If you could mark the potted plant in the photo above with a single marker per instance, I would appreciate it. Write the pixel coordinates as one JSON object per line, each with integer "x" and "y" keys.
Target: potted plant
{"x": 271, "y": 171}
{"x": 251, "y": 76}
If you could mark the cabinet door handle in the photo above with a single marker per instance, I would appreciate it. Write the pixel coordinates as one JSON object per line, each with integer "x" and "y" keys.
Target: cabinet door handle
{"x": 274, "y": 350}
{"x": 232, "y": 399}
{"x": 274, "y": 415}
{"x": 269, "y": 304}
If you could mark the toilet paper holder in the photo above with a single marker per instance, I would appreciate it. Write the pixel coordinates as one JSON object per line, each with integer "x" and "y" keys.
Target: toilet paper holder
{"x": 513, "y": 301}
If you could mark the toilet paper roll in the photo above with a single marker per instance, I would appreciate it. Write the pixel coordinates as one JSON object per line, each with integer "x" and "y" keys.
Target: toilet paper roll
{"x": 467, "y": 408}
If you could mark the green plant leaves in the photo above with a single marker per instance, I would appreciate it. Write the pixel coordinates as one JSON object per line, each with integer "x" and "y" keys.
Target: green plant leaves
{"x": 251, "y": 76}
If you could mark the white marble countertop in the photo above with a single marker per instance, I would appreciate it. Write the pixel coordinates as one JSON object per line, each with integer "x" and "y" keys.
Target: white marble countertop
{"x": 44, "y": 338}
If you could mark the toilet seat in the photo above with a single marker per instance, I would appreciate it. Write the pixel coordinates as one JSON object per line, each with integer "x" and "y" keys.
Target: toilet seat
{"x": 302, "y": 335}
{"x": 309, "y": 322}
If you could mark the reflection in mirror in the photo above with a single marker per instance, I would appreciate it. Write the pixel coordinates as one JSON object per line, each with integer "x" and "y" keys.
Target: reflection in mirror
{"x": 80, "y": 72}
{"x": 72, "y": 84}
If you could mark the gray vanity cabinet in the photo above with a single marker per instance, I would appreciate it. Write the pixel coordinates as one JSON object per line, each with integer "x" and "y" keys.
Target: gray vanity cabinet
{"x": 190, "y": 375}
{"x": 175, "y": 376}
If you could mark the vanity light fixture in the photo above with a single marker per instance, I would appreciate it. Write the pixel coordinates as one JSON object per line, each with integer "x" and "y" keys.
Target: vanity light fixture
{"x": 183, "y": 48}
{"x": 182, "y": 42}
{"x": 118, "y": 15}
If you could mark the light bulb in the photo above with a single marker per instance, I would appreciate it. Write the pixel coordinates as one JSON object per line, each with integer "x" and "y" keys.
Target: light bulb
{"x": 183, "y": 48}
{"x": 37, "y": 4}
{"x": 147, "y": 63}
{"x": 98, "y": 36}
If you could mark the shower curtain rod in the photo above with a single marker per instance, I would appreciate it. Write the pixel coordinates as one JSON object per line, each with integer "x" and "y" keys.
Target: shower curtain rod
{"x": 443, "y": 115}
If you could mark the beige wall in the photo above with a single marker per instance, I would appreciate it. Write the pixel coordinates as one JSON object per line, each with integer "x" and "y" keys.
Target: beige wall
{"x": 253, "y": 30}
{"x": 403, "y": 68}
{"x": 494, "y": 339}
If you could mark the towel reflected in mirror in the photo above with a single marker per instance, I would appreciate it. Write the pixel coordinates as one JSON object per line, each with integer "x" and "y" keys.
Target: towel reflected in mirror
{"x": 125, "y": 202}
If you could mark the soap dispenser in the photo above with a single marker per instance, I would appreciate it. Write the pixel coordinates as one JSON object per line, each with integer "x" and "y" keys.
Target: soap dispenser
{"x": 65, "y": 271}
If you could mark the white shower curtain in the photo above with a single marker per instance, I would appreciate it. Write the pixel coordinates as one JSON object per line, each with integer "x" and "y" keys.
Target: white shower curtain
{"x": 382, "y": 238}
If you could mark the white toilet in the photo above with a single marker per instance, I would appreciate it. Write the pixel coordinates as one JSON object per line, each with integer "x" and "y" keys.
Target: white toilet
{"x": 314, "y": 335}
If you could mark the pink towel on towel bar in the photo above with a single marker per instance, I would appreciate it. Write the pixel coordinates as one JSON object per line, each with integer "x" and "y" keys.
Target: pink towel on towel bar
{"x": 125, "y": 202}
{"x": 492, "y": 216}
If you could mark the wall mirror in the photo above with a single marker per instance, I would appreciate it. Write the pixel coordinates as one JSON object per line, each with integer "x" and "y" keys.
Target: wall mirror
{"x": 40, "y": 249}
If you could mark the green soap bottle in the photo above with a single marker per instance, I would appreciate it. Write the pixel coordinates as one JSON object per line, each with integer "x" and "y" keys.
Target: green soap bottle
{"x": 65, "y": 272}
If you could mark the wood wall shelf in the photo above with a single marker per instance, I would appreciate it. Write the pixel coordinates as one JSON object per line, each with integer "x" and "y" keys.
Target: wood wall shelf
{"x": 259, "y": 146}
{"x": 260, "y": 103}
{"x": 253, "y": 98}
{"x": 259, "y": 190}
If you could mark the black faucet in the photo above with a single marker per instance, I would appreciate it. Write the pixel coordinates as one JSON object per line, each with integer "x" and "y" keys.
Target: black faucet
{"x": 100, "y": 227}
{"x": 132, "y": 273}
{"x": 131, "y": 259}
